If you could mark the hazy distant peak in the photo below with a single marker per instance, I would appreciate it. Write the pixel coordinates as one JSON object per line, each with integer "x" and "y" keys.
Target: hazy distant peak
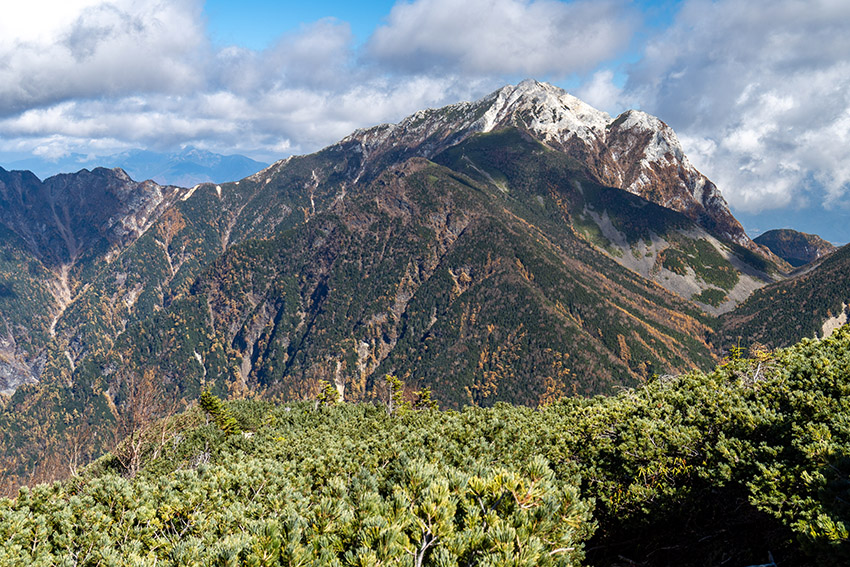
{"x": 185, "y": 168}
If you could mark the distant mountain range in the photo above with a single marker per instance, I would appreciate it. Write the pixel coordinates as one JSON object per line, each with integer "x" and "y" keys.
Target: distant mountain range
{"x": 518, "y": 248}
{"x": 185, "y": 168}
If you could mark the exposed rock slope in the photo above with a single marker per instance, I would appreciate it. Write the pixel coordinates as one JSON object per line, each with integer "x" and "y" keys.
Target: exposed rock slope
{"x": 57, "y": 235}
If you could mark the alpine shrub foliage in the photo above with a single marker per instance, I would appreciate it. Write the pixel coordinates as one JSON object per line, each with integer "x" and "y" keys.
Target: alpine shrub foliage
{"x": 324, "y": 484}
{"x": 215, "y": 408}
{"x": 337, "y": 485}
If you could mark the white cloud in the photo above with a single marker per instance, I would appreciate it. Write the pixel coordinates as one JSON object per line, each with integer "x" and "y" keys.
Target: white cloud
{"x": 142, "y": 73}
{"x": 319, "y": 56}
{"x": 263, "y": 123}
{"x": 602, "y": 92}
{"x": 38, "y": 21}
{"x": 524, "y": 37}
{"x": 758, "y": 91}
{"x": 760, "y": 94}
{"x": 106, "y": 49}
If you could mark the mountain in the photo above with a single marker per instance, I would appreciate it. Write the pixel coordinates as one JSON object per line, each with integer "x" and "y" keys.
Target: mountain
{"x": 812, "y": 302}
{"x": 796, "y": 248}
{"x": 519, "y": 248}
{"x": 636, "y": 152}
{"x": 186, "y": 168}
{"x": 57, "y": 234}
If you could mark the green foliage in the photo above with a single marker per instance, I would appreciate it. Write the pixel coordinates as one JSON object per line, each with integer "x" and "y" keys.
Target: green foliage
{"x": 350, "y": 486}
{"x": 328, "y": 394}
{"x": 424, "y": 400}
{"x": 760, "y": 443}
{"x": 396, "y": 404}
{"x": 25, "y": 296}
{"x": 591, "y": 232}
{"x": 771, "y": 430}
{"x": 711, "y": 296}
{"x": 220, "y": 414}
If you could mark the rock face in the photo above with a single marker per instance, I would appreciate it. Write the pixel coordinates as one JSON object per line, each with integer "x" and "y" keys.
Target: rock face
{"x": 72, "y": 215}
{"x": 635, "y": 151}
{"x": 649, "y": 162}
{"x": 55, "y": 236}
{"x": 796, "y": 248}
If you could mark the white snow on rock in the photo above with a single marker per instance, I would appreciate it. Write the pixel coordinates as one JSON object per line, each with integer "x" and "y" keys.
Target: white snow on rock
{"x": 560, "y": 120}
{"x": 664, "y": 141}
{"x": 555, "y": 113}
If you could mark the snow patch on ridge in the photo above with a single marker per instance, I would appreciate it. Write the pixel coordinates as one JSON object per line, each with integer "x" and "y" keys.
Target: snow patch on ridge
{"x": 190, "y": 192}
{"x": 664, "y": 141}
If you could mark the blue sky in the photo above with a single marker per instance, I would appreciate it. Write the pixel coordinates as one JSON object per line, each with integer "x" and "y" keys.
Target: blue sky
{"x": 758, "y": 91}
{"x": 258, "y": 24}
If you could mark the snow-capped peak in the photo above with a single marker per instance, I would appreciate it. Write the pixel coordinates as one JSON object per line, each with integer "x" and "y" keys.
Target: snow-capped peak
{"x": 664, "y": 141}
{"x": 640, "y": 120}
{"x": 546, "y": 110}
{"x": 636, "y": 152}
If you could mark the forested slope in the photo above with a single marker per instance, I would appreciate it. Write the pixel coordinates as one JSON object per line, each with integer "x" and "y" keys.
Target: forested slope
{"x": 780, "y": 314}
{"x": 482, "y": 290}
{"x": 711, "y": 468}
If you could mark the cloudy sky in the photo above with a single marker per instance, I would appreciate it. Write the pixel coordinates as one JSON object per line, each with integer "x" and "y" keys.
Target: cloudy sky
{"x": 758, "y": 91}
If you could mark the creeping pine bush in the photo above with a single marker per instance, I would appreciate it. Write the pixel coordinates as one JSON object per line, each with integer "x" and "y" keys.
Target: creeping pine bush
{"x": 333, "y": 485}
{"x": 354, "y": 484}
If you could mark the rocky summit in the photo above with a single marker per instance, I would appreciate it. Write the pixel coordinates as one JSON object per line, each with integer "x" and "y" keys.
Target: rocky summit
{"x": 635, "y": 151}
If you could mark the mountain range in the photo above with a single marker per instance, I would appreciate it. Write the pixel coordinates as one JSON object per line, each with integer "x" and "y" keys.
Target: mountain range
{"x": 186, "y": 168}
{"x": 519, "y": 248}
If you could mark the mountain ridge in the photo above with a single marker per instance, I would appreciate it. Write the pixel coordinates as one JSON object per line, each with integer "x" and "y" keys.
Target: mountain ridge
{"x": 796, "y": 248}
{"x": 184, "y": 168}
{"x": 563, "y": 121}
{"x": 59, "y": 233}
{"x": 489, "y": 266}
